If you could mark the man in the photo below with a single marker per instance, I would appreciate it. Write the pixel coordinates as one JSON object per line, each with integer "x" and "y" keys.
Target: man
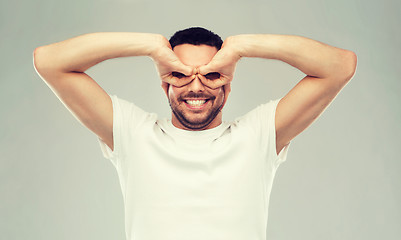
{"x": 195, "y": 177}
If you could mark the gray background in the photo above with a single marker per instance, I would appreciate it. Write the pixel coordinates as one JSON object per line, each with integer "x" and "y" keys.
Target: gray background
{"x": 342, "y": 176}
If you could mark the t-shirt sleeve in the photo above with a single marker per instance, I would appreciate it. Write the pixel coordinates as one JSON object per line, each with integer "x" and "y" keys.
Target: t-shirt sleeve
{"x": 261, "y": 122}
{"x": 126, "y": 119}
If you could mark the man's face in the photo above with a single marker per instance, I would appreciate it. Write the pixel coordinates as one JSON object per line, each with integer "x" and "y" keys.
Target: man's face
{"x": 195, "y": 106}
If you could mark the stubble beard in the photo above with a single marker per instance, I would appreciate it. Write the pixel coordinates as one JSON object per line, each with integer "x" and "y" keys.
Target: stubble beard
{"x": 198, "y": 123}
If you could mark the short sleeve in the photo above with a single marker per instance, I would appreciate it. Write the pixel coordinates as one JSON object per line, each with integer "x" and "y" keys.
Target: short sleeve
{"x": 271, "y": 125}
{"x": 126, "y": 119}
{"x": 261, "y": 122}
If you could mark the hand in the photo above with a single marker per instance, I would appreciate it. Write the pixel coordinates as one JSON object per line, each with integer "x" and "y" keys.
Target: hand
{"x": 220, "y": 70}
{"x": 171, "y": 70}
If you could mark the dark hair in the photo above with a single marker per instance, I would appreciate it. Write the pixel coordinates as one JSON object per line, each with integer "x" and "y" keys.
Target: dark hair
{"x": 196, "y": 36}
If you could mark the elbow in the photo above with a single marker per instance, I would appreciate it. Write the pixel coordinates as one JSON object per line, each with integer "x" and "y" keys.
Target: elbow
{"x": 37, "y": 60}
{"x": 43, "y": 62}
{"x": 349, "y": 65}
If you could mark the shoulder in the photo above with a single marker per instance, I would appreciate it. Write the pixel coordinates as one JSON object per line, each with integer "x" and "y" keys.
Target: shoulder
{"x": 128, "y": 114}
{"x": 261, "y": 113}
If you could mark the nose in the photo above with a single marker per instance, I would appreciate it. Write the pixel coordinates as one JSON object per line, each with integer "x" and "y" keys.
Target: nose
{"x": 196, "y": 85}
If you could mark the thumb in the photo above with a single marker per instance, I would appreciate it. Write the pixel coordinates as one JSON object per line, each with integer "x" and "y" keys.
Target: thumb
{"x": 208, "y": 68}
{"x": 184, "y": 69}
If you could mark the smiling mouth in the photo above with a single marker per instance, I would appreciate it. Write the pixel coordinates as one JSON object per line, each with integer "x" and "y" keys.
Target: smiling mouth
{"x": 196, "y": 103}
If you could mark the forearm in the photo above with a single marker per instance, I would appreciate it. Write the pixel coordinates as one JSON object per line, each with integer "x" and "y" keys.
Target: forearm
{"x": 311, "y": 57}
{"x": 80, "y": 53}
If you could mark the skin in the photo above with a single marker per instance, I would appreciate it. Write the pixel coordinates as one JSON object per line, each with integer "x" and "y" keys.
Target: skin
{"x": 328, "y": 69}
{"x": 183, "y": 116}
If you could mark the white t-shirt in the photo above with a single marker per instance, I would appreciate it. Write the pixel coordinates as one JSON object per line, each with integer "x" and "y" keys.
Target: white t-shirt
{"x": 194, "y": 185}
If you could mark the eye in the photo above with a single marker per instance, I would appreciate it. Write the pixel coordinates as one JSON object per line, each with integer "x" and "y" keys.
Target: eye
{"x": 213, "y": 75}
{"x": 178, "y": 75}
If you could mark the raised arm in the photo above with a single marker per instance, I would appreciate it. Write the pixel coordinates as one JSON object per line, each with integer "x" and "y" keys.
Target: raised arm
{"x": 327, "y": 69}
{"x": 62, "y": 65}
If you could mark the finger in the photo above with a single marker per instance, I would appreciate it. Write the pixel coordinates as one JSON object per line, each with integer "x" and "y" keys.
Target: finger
{"x": 184, "y": 69}
{"x": 207, "y": 82}
{"x": 213, "y": 83}
{"x": 178, "y": 66}
{"x": 182, "y": 82}
{"x": 177, "y": 82}
{"x": 215, "y": 64}
{"x": 213, "y": 76}
{"x": 205, "y": 69}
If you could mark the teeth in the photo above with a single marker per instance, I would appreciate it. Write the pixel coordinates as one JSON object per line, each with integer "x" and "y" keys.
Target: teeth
{"x": 195, "y": 102}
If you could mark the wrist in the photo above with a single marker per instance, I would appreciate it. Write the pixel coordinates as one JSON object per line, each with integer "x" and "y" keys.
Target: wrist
{"x": 158, "y": 42}
{"x": 234, "y": 43}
